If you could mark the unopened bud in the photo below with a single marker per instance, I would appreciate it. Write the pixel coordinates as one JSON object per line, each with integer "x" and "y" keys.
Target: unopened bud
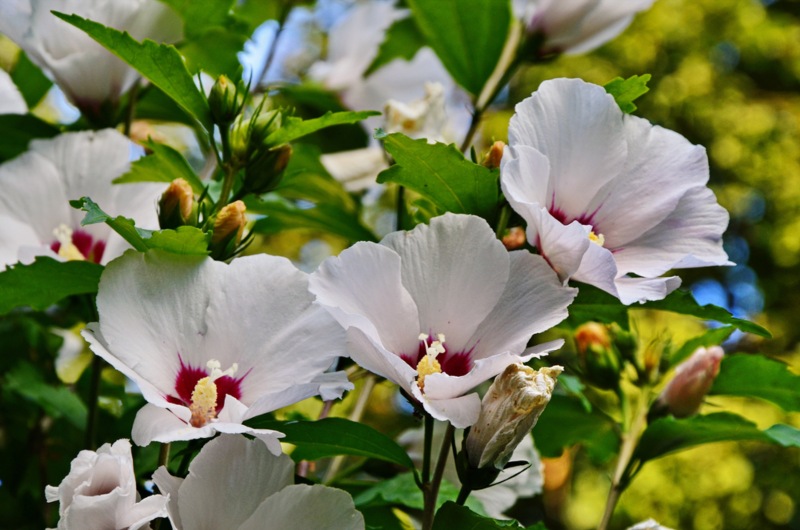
{"x": 509, "y": 411}
{"x": 177, "y": 206}
{"x": 264, "y": 172}
{"x": 599, "y": 359}
{"x": 494, "y": 156}
{"x": 225, "y": 100}
{"x": 514, "y": 238}
{"x": 228, "y": 229}
{"x": 693, "y": 378}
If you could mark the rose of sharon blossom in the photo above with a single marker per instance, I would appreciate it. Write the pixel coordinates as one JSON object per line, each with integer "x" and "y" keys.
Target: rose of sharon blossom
{"x": 87, "y": 73}
{"x": 35, "y": 215}
{"x": 441, "y": 309}
{"x": 606, "y": 195}
{"x": 693, "y": 378}
{"x": 100, "y": 492}
{"x": 211, "y": 345}
{"x": 577, "y": 26}
{"x": 11, "y": 101}
{"x": 237, "y": 484}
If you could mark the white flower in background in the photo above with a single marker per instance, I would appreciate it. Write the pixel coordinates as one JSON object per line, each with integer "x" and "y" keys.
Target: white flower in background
{"x": 504, "y": 494}
{"x": 577, "y": 26}
{"x": 441, "y": 309}
{"x": 693, "y": 378}
{"x": 73, "y": 356}
{"x": 11, "y": 101}
{"x": 238, "y": 484}
{"x": 211, "y": 345}
{"x": 607, "y": 195}
{"x": 35, "y": 215}
{"x": 87, "y": 73}
{"x": 100, "y": 492}
{"x": 650, "y": 524}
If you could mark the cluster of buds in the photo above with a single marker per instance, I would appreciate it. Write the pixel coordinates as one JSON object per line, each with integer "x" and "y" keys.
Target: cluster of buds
{"x": 251, "y": 148}
{"x": 509, "y": 410}
{"x": 600, "y": 359}
{"x": 693, "y": 378}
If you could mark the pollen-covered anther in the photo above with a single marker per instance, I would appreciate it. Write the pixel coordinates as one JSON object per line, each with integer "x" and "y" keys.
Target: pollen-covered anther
{"x": 67, "y": 248}
{"x": 204, "y": 395}
{"x": 598, "y": 239}
{"x": 428, "y": 364}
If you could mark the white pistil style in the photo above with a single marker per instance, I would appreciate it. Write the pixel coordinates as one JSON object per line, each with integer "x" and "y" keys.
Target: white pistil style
{"x": 67, "y": 248}
{"x": 204, "y": 395}
{"x": 598, "y": 239}
{"x": 428, "y": 364}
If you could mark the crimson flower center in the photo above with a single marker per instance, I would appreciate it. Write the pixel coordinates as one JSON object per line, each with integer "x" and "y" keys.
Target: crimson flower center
{"x": 454, "y": 363}
{"x": 188, "y": 377}
{"x": 90, "y": 248}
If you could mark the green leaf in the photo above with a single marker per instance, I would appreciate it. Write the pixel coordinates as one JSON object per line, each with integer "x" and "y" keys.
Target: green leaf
{"x": 441, "y": 174}
{"x": 305, "y": 178}
{"x": 122, "y": 225}
{"x": 668, "y": 435}
{"x": 26, "y": 380}
{"x": 45, "y": 282}
{"x": 161, "y": 64}
{"x": 295, "y": 128}
{"x": 336, "y": 436}
{"x": 451, "y": 515}
{"x": 154, "y": 105}
{"x": 683, "y": 302}
{"x": 201, "y": 15}
{"x": 594, "y": 305}
{"x": 760, "y": 377}
{"x": 467, "y": 35}
{"x": 565, "y": 422}
{"x": 626, "y": 91}
{"x": 17, "y": 130}
{"x": 184, "y": 240}
{"x": 221, "y": 58}
{"x": 712, "y": 337}
{"x": 31, "y": 82}
{"x": 165, "y": 164}
{"x": 403, "y": 41}
{"x": 402, "y": 490}
{"x": 282, "y": 215}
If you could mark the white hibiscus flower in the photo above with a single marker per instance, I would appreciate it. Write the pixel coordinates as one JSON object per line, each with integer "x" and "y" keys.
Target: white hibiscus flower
{"x": 608, "y": 195}
{"x": 441, "y": 309}
{"x": 100, "y": 492}
{"x": 577, "y": 26}
{"x": 236, "y": 483}
{"x": 87, "y": 73}
{"x": 211, "y": 345}
{"x": 35, "y": 215}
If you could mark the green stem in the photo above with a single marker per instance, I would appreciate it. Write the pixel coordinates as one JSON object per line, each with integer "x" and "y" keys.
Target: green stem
{"x": 427, "y": 448}
{"x": 132, "y": 95}
{"x": 463, "y": 494}
{"x": 94, "y": 393}
{"x": 400, "y": 207}
{"x": 431, "y": 492}
{"x": 502, "y": 222}
{"x": 356, "y": 415}
{"x": 630, "y": 438}
{"x": 228, "y": 167}
{"x": 163, "y": 455}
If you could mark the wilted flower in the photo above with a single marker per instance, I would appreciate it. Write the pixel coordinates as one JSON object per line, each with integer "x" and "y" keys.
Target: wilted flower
{"x": 100, "y": 492}
{"x": 35, "y": 215}
{"x": 11, "y": 101}
{"x": 510, "y": 485}
{"x": 238, "y": 484}
{"x": 440, "y": 309}
{"x": 210, "y": 344}
{"x": 509, "y": 411}
{"x": 87, "y": 73}
{"x": 576, "y": 26}
{"x": 693, "y": 378}
{"x": 607, "y": 195}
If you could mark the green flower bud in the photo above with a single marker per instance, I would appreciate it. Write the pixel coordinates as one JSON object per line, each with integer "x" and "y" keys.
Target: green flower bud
{"x": 225, "y": 101}
{"x": 600, "y": 360}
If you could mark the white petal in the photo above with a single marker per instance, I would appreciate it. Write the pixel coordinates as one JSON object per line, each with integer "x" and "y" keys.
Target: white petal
{"x": 156, "y": 424}
{"x": 456, "y": 271}
{"x": 362, "y": 288}
{"x": 261, "y": 316}
{"x": 445, "y": 386}
{"x": 170, "y": 486}
{"x": 369, "y": 354}
{"x": 304, "y": 507}
{"x": 11, "y": 101}
{"x": 525, "y": 177}
{"x": 533, "y": 301}
{"x": 562, "y": 246}
{"x": 579, "y": 128}
{"x": 598, "y": 268}
{"x": 461, "y": 411}
{"x": 661, "y": 166}
{"x": 228, "y": 480}
{"x": 606, "y": 21}
{"x": 144, "y": 511}
{"x": 690, "y": 236}
{"x": 642, "y": 289}
{"x": 328, "y": 386}
{"x": 15, "y": 234}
